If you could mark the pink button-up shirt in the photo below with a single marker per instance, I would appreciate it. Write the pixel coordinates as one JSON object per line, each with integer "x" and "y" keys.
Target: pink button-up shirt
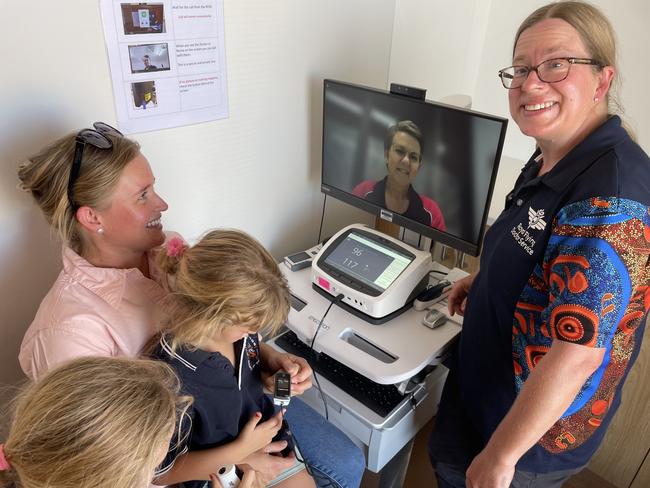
{"x": 93, "y": 311}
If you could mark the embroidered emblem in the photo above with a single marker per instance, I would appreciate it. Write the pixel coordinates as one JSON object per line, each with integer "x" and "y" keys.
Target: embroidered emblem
{"x": 535, "y": 219}
{"x": 523, "y": 238}
{"x": 252, "y": 353}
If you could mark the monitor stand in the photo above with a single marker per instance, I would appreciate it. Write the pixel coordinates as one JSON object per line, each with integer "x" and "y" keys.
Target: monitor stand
{"x": 394, "y": 230}
{"x": 387, "y": 227}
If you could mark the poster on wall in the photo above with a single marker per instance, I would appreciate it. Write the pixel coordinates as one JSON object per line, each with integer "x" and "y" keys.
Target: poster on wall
{"x": 167, "y": 61}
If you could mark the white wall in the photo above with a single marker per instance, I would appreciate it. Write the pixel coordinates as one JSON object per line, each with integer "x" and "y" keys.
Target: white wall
{"x": 437, "y": 45}
{"x": 458, "y": 47}
{"x": 259, "y": 170}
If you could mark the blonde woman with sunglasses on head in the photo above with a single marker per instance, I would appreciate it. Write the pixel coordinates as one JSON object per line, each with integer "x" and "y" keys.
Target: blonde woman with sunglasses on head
{"x": 96, "y": 190}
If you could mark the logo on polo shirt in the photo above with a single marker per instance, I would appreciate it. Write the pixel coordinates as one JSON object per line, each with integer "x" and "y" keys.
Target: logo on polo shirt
{"x": 521, "y": 234}
{"x": 536, "y": 219}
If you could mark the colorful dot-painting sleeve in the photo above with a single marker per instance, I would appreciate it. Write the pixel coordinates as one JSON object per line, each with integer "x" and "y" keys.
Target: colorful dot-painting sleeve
{"x": 595, "y": 267}
{"x": 596, "y": 270}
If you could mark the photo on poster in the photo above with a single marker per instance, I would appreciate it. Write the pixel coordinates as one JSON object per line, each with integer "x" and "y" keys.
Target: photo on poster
{"x": 149, "y": 57}
{"x": 143, "y": 18}
{"x": 144, "y": 95}
{"x": 168, "y": 62}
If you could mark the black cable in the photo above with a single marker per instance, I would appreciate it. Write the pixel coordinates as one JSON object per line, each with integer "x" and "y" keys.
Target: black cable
{"x": 439, "y": 272}
{"x": 296, "y": 446}
{"x": 322, "y": 397}
{"x": 336, "y": 299}
{"x": 320, "y": 481}
{"x": 639, "y": 469}
{"x": 322, "y": 218}
{"x": 414, "y": 402}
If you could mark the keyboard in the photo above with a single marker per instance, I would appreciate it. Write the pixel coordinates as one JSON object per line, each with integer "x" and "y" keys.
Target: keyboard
{"x": 381, "y": 399}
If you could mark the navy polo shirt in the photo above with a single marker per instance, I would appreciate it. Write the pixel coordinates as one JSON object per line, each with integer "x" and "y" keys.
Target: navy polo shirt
{"x": 566, "y": 260}
{"x": 225, "y": 396}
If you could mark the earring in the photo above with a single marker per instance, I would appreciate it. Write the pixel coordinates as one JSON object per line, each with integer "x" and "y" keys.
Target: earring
{"x": 596, "y": 99}
{"x": 100, "y": 230}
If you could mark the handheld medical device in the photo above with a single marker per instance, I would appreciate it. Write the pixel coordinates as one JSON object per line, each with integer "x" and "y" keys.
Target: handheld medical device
{"x": 228, "y": 476}
{"x": 282, "y": 390}
{"x": 378, "y": 276}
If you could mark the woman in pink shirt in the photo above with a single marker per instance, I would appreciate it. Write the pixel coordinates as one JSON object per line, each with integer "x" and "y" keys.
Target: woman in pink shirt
{"x": 108, "y": 299}
{"x": 96, "y": 190}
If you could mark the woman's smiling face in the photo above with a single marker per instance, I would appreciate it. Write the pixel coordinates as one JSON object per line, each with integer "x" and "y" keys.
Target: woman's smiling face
{"x": 403, "y": 158}
{"x": 559, "y": 113}
{"x": 131, "y": 221}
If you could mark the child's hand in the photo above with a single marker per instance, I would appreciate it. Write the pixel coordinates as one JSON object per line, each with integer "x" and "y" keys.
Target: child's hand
{"x": 274, "y": 361}
{"x": 266, "y": 464}
{"x": 254, "y": 436}
{"x": 299, "y": 370}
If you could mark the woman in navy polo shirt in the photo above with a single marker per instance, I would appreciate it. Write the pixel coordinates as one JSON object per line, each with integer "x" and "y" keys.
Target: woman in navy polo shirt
{"x": 554, "y": 319}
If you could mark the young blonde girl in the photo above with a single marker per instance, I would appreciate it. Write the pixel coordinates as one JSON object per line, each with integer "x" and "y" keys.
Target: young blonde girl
{"x": 92, "y": 422}
{"x": 226, "y": 287}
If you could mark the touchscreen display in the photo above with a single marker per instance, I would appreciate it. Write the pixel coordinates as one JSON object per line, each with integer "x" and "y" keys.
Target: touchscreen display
{"x": 368, "y": 261}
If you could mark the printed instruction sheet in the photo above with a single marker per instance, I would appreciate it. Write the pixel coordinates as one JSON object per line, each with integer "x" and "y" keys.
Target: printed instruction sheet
{"x": 167, "y": 61}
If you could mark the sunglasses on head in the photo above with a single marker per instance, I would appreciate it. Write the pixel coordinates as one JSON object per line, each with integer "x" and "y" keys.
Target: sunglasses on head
{"x": 96, "y": 137}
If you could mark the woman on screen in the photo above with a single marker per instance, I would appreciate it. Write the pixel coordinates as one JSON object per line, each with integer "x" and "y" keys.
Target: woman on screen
{"x": 403, "y": 155}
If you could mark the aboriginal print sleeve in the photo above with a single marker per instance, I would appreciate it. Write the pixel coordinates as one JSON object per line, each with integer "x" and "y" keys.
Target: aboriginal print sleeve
{"x": 591, "y": 289}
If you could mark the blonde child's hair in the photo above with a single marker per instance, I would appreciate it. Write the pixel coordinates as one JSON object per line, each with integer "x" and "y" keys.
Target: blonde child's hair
{"x": 226, "y": 279}
{"x": 93, "y": 422}
{"x": 46, "y": 175}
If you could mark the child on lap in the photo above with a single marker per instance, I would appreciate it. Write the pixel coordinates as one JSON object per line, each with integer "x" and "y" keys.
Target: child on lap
{"x": 226, "y": 288}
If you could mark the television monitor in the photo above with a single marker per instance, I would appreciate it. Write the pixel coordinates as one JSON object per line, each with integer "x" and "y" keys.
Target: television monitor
{"x": 428, "y": 167}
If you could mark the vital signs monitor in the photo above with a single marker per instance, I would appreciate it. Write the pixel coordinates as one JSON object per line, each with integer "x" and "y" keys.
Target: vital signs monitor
{"x": 377, "y": 275}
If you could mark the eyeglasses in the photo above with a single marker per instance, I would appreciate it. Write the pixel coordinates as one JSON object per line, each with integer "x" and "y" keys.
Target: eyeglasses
{"x": 96, "y": 137}
{"x": 401, "y": 152}
{"x": 549, "y": 71}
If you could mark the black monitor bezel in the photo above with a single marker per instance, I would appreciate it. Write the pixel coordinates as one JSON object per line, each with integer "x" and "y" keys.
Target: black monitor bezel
{"x": 462, "y": 245}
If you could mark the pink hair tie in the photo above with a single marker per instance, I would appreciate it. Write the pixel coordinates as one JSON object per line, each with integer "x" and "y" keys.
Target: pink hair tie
{"x": 176, "y": 247}
{"x": 4, "y": 464}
